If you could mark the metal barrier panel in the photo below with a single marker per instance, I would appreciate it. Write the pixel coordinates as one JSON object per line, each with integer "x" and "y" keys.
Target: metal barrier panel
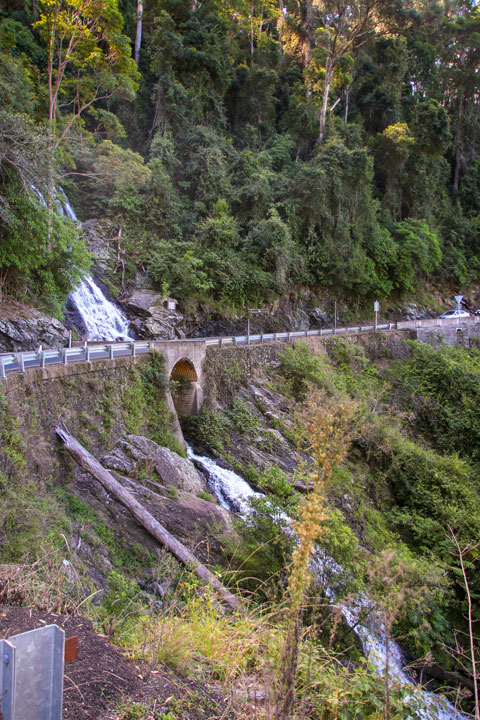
{"x": 39, "y": 661}
{"x": 7, "y": 680}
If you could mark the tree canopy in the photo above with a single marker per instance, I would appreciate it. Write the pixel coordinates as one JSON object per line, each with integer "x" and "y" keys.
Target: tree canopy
{"x": 252, "y": 149}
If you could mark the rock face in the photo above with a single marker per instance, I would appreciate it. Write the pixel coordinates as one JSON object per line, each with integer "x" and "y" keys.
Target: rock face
{"x": 25, "y": 329}
{"x": 136, "y": 452}
{"x": 152, "y": 320}
{"x": 168, "y": 486}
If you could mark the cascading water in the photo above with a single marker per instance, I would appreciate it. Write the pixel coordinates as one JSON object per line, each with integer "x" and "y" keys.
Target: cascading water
{"x": 234, "y": 493}
{"x": 101, "y": 319}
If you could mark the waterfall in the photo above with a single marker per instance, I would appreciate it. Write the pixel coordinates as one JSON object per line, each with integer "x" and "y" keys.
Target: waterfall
{"x": 101, "y": 319}
{"x": 234, "y": 493}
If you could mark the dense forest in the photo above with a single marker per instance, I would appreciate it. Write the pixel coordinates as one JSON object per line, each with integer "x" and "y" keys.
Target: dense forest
{"x": 236, "y": 151}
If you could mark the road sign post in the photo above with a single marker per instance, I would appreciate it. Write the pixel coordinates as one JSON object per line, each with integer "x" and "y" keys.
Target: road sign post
{"x": 458, "y": 299}
{"x": 376, "y": 308}
{"x": 251, "y": 311}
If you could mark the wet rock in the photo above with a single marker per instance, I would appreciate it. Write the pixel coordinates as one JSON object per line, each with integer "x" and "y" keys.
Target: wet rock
{"x": 98, "y": 243}
{"x": 25, "y": 329}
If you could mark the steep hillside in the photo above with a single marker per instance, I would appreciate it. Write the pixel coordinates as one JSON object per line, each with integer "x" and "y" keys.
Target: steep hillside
{"x": 398, "y": 517}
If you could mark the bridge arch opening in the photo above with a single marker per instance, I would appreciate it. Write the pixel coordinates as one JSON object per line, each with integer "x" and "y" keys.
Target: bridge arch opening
{"x": 186, "y": 391}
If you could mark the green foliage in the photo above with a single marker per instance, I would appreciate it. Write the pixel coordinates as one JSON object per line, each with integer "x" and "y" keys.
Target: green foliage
{"x": 243, "y": 420}
{"x": 145, "y": 406}
{"x": 172, "y": 492}
{"x": 262, "y": 555}
{"x": 274, "y": 481}
{"x": 11, "y": 441}
{"x": 300, "y": 368}
{"x": 121, "y": 595}
{"x": 88, "y": 57}
{"x": 121, "y": 556}
{"x": 217, "y": 176}
{"x": 210, "y": 429}
{"x": 203, "y": 495}
{"x": 230, "y": 376}
{"x": 29, "y": 517}
{"x": 418, "y": 252}
{"x": 441, "y": 387}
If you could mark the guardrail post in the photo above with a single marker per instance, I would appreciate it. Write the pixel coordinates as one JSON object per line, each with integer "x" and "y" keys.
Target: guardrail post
{"x": 87, "y": 352}
{"x": 234, "y": 340}
{"x": 21, "y": 362}
{"x": 111, "y": 352}
{"x": 220, "y": 342}
{"x": 261, "y": 338}
{"x": 274, "y": 337}
{"x": 42, "y": 359}
{"x": 288, "y": 335}
{"x": 3, "y": 368}
{"x": 321, "y": 332}
{"x": 64, "y": 356}
{"x": 133, "y": 348}
{"x": 7, "y": 680}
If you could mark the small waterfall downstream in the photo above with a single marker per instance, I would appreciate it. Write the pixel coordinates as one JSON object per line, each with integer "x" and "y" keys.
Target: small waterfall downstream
{"x": 234, "y": 493}
{"x": 101, "y": 319}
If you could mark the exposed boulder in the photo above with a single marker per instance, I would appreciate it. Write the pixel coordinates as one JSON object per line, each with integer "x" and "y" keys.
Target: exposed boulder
{"x": 23, "y": 328}
{"x": 135, "y": 453}
{"x": 197, "y": 523}
{"x": 321, "y": 318}
{"x": 152, "y": 319}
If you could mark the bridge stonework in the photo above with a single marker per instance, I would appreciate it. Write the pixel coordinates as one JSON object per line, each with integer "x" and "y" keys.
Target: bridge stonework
{"x": 184, "y": 365}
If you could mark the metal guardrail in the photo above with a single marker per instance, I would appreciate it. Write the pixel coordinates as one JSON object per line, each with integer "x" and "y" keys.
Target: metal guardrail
{"x": 22, "y": 361}
{"x": 265, "y": 337}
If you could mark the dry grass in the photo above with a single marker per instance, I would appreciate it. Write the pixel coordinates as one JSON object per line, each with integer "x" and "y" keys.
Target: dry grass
{"x": 51, "y": 583}
{"x": 201, "y": 640}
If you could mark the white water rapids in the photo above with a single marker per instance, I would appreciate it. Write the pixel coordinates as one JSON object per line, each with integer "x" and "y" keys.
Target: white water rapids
{"x": 234, "y": 493}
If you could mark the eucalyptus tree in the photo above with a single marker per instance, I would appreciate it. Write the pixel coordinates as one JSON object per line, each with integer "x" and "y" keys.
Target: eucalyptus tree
{"x": 88, "y": 58}
{"x": 460, "y": 60}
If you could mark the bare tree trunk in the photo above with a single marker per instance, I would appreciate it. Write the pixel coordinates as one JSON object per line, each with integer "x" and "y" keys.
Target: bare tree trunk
{"x": 252, "y": 32}
{"x": 347, "y": 97}
{"x": 459, "y": 146}
{"x": 89, "y": 463}
{"x": 470, "y": 619}
{"x": 326, "y": 94}
{"x": 308, "y": 29}
{"x": 138, "y": 36}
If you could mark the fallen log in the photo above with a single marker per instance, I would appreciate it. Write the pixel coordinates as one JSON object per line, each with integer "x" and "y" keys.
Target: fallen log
{"x": 446, "y": 676}
{"x": 156, "y": 529}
